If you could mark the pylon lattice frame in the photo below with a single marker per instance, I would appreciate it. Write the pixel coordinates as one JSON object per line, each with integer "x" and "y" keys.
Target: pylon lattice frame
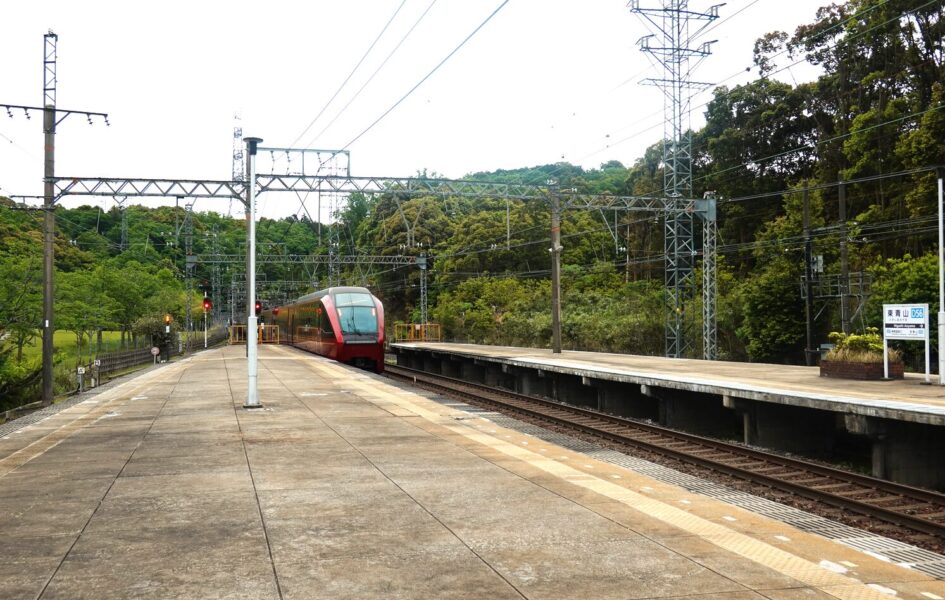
{"x": 670, "y": 24}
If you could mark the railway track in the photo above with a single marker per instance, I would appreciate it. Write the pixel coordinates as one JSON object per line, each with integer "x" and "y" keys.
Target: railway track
{"x": 918, "y": 510}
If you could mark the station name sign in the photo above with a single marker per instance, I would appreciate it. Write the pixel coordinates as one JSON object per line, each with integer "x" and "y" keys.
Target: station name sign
{"x": 906, "y": 321}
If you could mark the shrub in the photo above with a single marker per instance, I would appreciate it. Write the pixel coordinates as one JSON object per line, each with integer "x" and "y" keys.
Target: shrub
{"x": 864, "y": 347}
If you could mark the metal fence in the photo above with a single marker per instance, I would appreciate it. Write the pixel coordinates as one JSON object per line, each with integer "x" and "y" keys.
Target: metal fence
{"x": 109, "y": 362}
{"x": 106, "y": 364}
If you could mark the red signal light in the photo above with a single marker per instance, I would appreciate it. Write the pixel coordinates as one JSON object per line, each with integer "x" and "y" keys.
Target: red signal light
{"x": 258, "y": 308}
{"x": 207, "y": 305}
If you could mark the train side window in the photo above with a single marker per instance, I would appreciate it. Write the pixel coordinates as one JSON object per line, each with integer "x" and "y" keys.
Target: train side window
{"x": 325, "y": 323}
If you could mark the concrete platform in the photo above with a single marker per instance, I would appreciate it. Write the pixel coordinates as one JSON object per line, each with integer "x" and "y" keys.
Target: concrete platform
{"x": 347, "y": 486}
{"x": 907, "y": 399}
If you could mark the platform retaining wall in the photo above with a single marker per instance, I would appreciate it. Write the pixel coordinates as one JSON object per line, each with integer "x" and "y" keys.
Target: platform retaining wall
{"x": 905, "y": 452}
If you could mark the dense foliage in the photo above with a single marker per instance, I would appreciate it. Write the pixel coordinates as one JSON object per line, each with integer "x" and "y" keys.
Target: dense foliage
{"x": 873, "y": 119}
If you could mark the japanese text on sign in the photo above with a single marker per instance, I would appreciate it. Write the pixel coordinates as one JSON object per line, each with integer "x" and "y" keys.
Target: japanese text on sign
{"x": 906, "y": 321}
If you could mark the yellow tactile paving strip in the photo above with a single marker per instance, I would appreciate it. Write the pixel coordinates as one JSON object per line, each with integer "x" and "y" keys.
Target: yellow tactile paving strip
{"x": 803, "y": 570}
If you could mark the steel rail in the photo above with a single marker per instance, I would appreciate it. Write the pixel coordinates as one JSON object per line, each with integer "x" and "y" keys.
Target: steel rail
{"x": 563, "y": 415}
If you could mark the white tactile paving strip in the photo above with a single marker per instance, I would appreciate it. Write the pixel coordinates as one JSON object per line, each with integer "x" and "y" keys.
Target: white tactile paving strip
{"x": 881, "y": 547}
{"x": 38, "y": 415}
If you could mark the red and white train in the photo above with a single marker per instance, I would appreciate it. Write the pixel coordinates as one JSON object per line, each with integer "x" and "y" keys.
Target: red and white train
{"x": 342, "y": 323}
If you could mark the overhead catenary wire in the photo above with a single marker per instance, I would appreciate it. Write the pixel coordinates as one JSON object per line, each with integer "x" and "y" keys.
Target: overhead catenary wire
{"x": 821, "y": 142}
{"x": 842, "y": 136}
{"x": 351, "y": 74}
{"x": 828, "y": 185}
{"x": 374, "y": 74}
{"x": 427, "y": 76}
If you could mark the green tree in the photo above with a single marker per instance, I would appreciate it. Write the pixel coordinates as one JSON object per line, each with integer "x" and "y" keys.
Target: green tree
{"x": 82, "y": 307}
{"x": 20, "y": 302}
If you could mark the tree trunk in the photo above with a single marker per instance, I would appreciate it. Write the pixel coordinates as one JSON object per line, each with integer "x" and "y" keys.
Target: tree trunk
{"x": 78, "y": 348}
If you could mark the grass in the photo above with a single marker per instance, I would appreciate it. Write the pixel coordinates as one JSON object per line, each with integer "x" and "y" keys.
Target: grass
{"x": 64, "y": 342}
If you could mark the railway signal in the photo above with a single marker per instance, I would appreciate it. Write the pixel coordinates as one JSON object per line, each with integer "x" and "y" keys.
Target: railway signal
{"x": 207, "y": 305}
{"x": 258, "y": 308}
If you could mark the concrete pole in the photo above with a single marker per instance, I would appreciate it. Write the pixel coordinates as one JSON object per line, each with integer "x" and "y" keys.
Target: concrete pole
{"x": 941, "y": 284}
{"x": 508, "y": 225}
{"x": 844, "y": 264}
{"x": 49, "y": 235}
{"x": 809, "y": 352}
{"x": 252, "y": 399}
{"x": 555, "y": 271}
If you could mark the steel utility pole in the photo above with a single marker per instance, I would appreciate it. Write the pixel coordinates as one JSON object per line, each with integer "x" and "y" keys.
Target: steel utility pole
{"x": 422, "y": 263}
{"x": 710, "y": 342}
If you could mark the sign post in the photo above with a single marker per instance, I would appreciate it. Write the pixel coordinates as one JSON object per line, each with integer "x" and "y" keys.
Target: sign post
{"x": 905, "y": 322}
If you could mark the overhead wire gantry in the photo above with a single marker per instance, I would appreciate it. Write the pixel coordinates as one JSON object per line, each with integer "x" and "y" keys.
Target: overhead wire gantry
{"x": 557, "y": 198}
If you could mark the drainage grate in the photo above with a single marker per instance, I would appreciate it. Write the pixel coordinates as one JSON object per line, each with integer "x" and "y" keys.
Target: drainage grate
{"x": 912, "y": 555}
{"x": 920, "y": 560}
{"x": 935, "y": 569}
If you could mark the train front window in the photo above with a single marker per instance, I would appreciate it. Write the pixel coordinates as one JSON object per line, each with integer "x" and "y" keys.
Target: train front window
{"x": 356, "y": 313}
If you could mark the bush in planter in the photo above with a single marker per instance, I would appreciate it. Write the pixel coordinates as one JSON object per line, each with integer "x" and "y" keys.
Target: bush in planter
{"x": 860, "y": 357}
{"x": 860, "y": 348}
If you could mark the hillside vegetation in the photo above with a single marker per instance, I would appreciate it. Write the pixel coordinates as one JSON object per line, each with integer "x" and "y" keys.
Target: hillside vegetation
{"x": 873, "y": 119}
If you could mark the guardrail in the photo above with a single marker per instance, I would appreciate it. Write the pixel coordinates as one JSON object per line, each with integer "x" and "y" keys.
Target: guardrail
{"x": 267, "y": 334}
{"x": 417, "y": 332}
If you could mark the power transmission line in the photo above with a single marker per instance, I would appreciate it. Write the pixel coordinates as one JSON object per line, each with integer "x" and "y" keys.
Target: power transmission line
{"x": 814, "y": 36}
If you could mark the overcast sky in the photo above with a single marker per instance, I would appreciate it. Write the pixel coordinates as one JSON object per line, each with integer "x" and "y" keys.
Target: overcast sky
{"x": 542, "y": 81}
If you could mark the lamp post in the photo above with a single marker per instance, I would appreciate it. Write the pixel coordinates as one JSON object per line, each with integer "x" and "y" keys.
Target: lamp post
{"x": 252, "y": 399}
